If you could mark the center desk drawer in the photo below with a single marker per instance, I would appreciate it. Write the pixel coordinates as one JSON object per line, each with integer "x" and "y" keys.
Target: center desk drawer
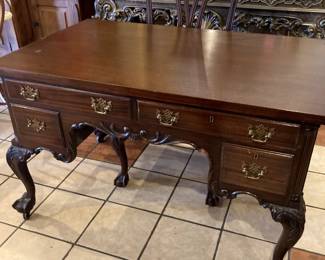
{"x": 70, "y": 99}
{"x": 256, "y": 169}
{"x": 233, "y": 127}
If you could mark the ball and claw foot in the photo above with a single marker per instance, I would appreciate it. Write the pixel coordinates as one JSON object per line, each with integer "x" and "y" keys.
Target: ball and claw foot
{"x": 212, "y": 200}
{"x": 121, "y": 180}
{"x": 24, "y": 205}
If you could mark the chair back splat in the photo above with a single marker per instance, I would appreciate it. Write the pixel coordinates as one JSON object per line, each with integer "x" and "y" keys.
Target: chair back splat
{"x": 191, "y": 14}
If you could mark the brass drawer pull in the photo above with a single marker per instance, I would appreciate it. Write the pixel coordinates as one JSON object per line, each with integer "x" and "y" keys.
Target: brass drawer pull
{"x": 101, "y": 106}
{"x": 29, "y": 93}
{"x": 260, "y": 133}
{"x": 253, "y": 171}
{"x": 36, "y": 125}
{"x": 167, "y": 117}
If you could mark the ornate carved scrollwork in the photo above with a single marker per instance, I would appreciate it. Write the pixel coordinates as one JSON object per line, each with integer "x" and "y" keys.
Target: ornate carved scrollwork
{"x": 285, "y": 25}
{"x": 245, "y": 21}
{"x": 293, "y": 223}
{"x": 297, "y": 3}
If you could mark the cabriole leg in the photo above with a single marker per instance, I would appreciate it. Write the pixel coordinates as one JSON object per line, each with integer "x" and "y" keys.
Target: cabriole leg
{"x": 293, "y": 223}
{"x": 123, "y": 178}
{"x": 212, "y": 198}
{"x": 17, "y": 159}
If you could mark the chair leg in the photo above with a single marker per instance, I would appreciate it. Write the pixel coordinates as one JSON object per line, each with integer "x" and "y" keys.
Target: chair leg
{"x": 231, "y": 15}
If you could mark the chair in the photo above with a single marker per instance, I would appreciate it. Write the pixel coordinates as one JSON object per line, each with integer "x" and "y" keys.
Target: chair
{"x": 186, "y": 13}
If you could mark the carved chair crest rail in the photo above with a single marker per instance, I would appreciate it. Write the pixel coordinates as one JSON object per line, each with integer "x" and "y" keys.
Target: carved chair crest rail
{"x": 294, "y": 18}
{"x": 230, "y": 94}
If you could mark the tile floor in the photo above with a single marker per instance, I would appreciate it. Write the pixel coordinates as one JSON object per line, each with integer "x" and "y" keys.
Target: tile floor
{"x": 80, "y": 214}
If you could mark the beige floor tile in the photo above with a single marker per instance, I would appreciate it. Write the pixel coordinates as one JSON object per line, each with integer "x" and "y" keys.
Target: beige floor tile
{"x": 119, "y": 230}
{"x": 80, "y": 253}
{"x": 93, "y": 178}
{"x": 5, "y": 231}
{"x": 247, "y": 217}
{"x": 2, "y": 178}
{"x": 12, "y": 190}
{"x": 198, "y": 167}
{"x": 4, "y": 168}
{"x": 5, "y": 126}
{"x": 183, "y": 145}
{"x": 63, "y": 215}
{"x": 236, "y": 247}
{"x": 175, "y": 239}
{"x": 313, "y": 238}
{"x": 3, "y": 109}
{"x": 188, "y": 202}
{"x": 145, "y": 190}
{"x": 164, "y": 158}
{"x": 24, "y": 245}
{"x": 314, "y": 190}
{"x": 45, "y": 169}
{"x": 317, "y": 163}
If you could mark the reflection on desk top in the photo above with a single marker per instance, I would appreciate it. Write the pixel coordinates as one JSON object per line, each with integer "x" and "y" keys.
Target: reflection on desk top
{"x": 271, "y": 76}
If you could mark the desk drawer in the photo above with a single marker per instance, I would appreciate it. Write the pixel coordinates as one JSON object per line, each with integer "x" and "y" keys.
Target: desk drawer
{"x": 69, "y": 99}
{"x": 34, "y": 127}
{"x": 256, "y": 169}
{"x": 266, "y": 133}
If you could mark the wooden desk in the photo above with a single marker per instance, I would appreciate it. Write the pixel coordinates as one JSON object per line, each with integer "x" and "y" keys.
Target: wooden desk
{"x": 253, "y": 102}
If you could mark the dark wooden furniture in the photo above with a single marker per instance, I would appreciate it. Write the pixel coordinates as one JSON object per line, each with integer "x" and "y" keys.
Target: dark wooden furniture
{"x": 191, "y": 13}
{"x": 300, "y": 18}
{"x": 253, "y": 102}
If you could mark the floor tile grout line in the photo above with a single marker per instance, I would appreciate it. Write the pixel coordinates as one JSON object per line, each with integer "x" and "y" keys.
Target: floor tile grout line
{"x": 46, "y": 197}
{"x": 8, "y": 224}
{"x": 89, "y": 223}
{"x": 63, "y": 240}
{"x": 169, "y": 175}
{"x": 247, "y": 236}
{"x": 321, "y": 173}
{"x": 45, "y": 235}
{"x": 99, "y": 251}
{"x": 314, "y": 207}
{"x": 133, "y": 207}
{"x": 192, "y": 222}
{"x": 103, "y": 204}
{"x": 5, "y": 180}
{"x": 221, "y": 231}
{"x": 161, "y": 215}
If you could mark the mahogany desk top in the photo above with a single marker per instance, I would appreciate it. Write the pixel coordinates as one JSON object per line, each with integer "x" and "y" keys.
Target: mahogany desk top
{"x": 237, "y": 72}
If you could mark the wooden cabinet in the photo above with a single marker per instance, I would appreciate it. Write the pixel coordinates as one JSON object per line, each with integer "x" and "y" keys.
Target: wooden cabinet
{"x": 50, "y": 16}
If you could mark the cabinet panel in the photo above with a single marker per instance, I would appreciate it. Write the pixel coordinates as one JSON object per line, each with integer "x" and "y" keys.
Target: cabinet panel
{"x": 50, "y": 16}
{"x": 52, "y": 19}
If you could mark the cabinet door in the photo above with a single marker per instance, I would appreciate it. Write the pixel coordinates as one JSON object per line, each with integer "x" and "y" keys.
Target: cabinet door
{"x": 52, "y": 19}
{"x": 50, "y": 16}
